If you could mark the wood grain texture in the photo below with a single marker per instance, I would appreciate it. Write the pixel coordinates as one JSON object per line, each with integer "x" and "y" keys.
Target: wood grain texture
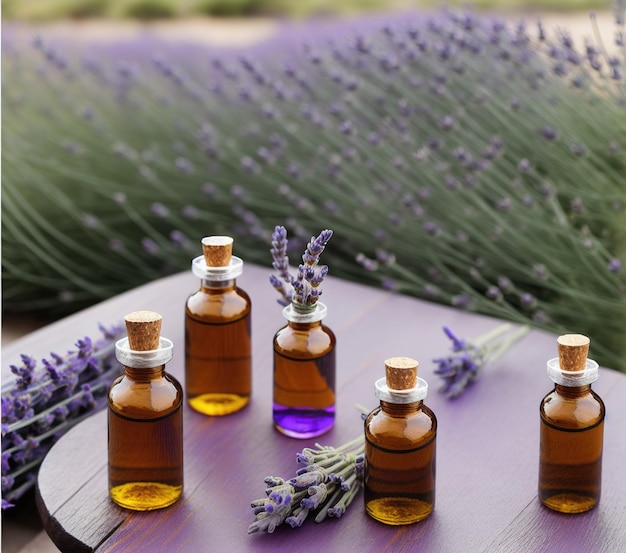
{"x": 488, "y": 440}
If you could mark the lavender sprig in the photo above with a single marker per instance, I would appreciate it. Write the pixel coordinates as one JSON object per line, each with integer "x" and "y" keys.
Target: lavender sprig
{"x": 43, "y": 403}
{"x": 462, "y": 367}
{"x": 326, "y": 486}
{"x": 281, "y": 265}
{"x": 304, "y": 289}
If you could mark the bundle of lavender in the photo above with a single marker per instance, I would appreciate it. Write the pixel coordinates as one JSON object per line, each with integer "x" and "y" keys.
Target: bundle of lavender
{"x": 457, "y": 158}
{"x": 325, "y": 487}
{"x": 45, "y": 401}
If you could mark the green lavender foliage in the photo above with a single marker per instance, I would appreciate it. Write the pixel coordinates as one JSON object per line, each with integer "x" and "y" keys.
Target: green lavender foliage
{"x": 151, "y": 9}
{"x": 457, "y": 159}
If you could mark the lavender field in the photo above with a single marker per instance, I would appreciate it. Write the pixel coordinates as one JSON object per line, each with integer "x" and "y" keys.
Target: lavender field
{"x": 458, "y": 157}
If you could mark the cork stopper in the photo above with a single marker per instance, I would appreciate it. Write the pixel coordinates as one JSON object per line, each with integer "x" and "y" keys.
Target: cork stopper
{"x": 144, "y": 330}
{"x": 573, "y": 350}
{"x": 217, "y": 250}
{"x": 401, "y": 373}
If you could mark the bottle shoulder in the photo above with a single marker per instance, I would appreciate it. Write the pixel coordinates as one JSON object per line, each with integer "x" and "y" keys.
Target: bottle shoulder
{"x": 215, "y": 305}
{"x": 316, "y": 340}
{"x": 146, "y": 399}
{"x": 572, "y": 411}
{"x": 395, "y": 430}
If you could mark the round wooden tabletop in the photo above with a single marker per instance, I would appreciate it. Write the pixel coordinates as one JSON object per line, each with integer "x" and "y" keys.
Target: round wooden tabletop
{"x": 487, "y": 443}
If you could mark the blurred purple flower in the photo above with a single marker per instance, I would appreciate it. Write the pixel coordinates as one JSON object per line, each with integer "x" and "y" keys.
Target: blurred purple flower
{"x": 615, "y": 265}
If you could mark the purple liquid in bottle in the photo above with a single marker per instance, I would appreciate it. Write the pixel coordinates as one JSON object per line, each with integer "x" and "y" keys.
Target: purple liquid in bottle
{"x": 304, "y": 394}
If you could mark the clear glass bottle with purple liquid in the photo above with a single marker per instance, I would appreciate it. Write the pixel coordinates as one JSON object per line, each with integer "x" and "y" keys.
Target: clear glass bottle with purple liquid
{"x": 304, "y": 349}
{"x": 304, "y": 373}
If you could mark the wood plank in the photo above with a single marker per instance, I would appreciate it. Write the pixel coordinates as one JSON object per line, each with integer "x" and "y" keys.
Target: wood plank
{"x": 74, "y": 506}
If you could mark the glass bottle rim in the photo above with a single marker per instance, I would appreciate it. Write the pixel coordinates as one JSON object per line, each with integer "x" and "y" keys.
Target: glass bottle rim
{"x": 318, "y": 312}
{"x": 384, "y": 393}
{"x": 217, "y": 274}
{"x": 573, "y": 379}
{"x": 143, "y": 359}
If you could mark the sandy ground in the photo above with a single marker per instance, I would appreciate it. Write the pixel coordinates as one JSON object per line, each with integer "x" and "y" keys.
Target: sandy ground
{"x": 22, "y": 532}
{"x": 236, "y": 32}
{"x": 242, "y": 32}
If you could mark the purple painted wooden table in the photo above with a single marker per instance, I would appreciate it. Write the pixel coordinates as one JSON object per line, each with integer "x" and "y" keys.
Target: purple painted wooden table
{"x": 487, "y": 458}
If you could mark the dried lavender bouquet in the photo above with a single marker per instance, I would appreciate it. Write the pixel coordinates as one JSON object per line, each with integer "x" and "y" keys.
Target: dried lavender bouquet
{"x": 324, "y": 487}
{"x": 45, "y": 400}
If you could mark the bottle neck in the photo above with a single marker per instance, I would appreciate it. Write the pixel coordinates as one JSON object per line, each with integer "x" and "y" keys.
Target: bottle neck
{"x": 401, "y": 409}
{"x": 304, "y": 326}
{"x": 218, "y": 285}
{"x": 145, "y": 374}
{"x": 572, "y": 391}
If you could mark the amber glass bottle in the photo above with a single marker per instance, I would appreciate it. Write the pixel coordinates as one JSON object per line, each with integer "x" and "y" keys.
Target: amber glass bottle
{"x": 400, "y": 446}
{"x": 218, "y": 358}
{"x": 145, "y": 438}
{"x": 304, "y": 373}
{"x": 572, "y": 428}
